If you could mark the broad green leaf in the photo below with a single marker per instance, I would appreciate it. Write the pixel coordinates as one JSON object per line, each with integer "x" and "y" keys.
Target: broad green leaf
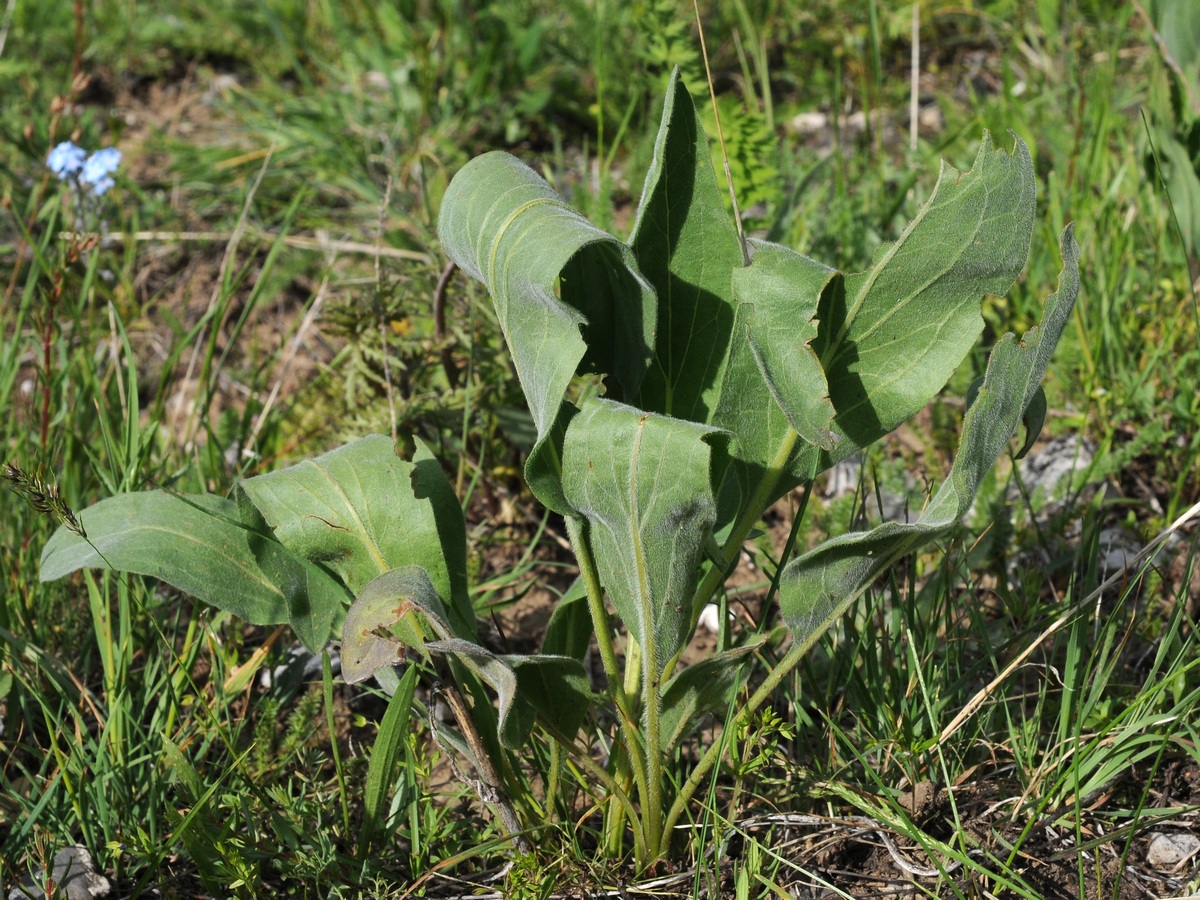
{"x": 380, "y": 624}
{"x": 773, "y": 383}
{"x": 890, "y": 337}
{"x": 568, "y": 295}
{"x": 362, "y": 511}
{"x": 197, "y": 544}
{"x": 703, "y": 687}
{"x": 316, "y": 600}
{"x": 687, "y": 247}
{"x": 643, "y": 484}
{"x": 901, "y": 328}
{"x": 817, "y": 588}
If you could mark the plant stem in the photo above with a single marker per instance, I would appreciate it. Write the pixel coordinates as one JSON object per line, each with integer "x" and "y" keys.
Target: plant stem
{"x": 605, "y": 778}
{"x": 489, "y": 787}
{"x": 714, "y": 753}
{"x": 630, "y": 734}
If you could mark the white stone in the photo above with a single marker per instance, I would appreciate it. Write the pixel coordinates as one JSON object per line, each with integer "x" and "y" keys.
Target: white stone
{"x": 1168, "y": 850}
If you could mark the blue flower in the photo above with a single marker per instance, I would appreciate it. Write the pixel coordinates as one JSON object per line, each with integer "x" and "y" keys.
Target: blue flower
{"x": 66, "y": 159}
{"x": 98, "y": 169}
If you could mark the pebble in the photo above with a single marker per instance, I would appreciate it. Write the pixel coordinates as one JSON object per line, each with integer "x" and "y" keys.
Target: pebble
{"x": 75, "y": 878}
{"x": 1168, "y": 850}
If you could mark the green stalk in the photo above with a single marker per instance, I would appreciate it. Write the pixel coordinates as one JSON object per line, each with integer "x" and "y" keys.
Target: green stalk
{"x": 714, "y": 753}
{"x": 630, "y": 734}
{"x": 605, "y": 778}
{"x": 713, "y": 580}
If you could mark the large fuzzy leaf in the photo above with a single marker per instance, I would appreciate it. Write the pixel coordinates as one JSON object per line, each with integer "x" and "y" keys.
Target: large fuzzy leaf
{"x": 774, "y": 382}
{"x": 888, "y": 338}
{"x": 688, "y": 248}
{"x": 362, "y": 511}
{"x": 198, "y": 544}
{"x": 643, "y": 483}
{"x": 568, "y": 295}
{"x": 817, "y": 588}
{"x": 902, "y": 327}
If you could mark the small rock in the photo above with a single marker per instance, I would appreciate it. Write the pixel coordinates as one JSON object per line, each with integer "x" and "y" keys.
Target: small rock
{"x": 74, "y": 874}
{"x": 1054, "y": 470}
{"x": 1116, "y": 548}
{"x": 300, "y": 666}
{"x": 1168, "y": 850}
{"x": 843, "y": 477}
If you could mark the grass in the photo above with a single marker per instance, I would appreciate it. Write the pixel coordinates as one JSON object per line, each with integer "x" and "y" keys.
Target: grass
{"x": 299, "y": 137}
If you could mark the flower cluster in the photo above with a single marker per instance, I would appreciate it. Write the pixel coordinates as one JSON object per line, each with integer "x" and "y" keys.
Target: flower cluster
{"x": 94, "y": 172}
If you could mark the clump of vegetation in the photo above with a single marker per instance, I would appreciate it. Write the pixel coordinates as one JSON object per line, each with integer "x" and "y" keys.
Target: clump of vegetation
{"x": 261, "y": 279}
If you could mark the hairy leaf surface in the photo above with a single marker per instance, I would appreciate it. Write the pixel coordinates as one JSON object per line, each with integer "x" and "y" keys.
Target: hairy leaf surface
{"x": 197, "y": 544}
{"x": 643, "y": 483}
{"x": 688, "y": 248}
{"x": 817, "y": 588}
{"x": 568, "y": 295}
{"x": 361, "y": 511}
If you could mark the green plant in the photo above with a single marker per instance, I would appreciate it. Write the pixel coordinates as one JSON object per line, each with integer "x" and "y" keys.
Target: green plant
{"x": 680, "y": 383}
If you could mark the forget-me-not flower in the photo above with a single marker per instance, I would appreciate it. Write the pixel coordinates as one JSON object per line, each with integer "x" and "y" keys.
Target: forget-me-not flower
{"x": 98, "y": 169}
{"x": 70, "y": 162}
{"x": 65, "y": 160}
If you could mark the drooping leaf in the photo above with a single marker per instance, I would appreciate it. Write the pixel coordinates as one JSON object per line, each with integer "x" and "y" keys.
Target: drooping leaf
{"x": 643, "y": 483}
{"x": 362, "y": 511}
{"x": 554, "y": 687}
{"x": 557, "y": 688}
{"x": 401, "y": 610}
{"x": 197, "y": 544}
{"x": 818, "y": 587}
{"x": 687, "y": 247}
{"x": 381, "y": 624}
{"x": 703, "y": 687}
{"x": 568, "y": 295}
